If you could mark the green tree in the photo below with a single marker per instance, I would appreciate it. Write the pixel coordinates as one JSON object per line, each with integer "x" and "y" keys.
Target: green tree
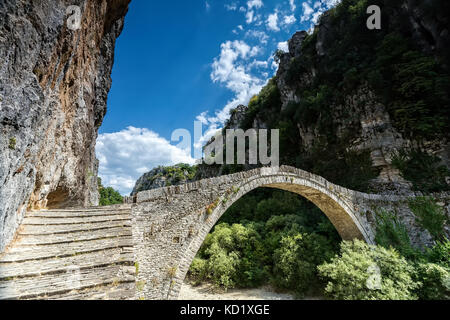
{"x": 349, "y": 274}
{"x": 108, "y": 196}
{"x": 296, "y": 261}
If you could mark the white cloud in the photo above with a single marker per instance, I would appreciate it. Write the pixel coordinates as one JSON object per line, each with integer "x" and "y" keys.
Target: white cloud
{"x": 313, "y": 11}
{"x": 289, "y": 20}
{"x": 231, "y": 69}
{"x": 260, "y": 35}
{"x": 231, "y": 7}
{"x": 307, "y": 12}
{"x": 249, "y": 16}
{"x": 125, "y": 155}
{"x": 283, "y": 46}
{"x": 272, "y": 22}
{"x": 225, "y": 69}
{"x": 202, "y": 118}
{"x": 254, "y": 4}
{"x": 292, "y": 4}
{"x": 257, "y": 64}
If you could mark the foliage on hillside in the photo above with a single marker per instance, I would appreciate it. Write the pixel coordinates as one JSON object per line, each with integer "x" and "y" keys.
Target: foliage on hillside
{"x": 278, "y": 238}
{"x": 425, "y": 171}
{"x": 268, "y": 234}
{"x": 349, "y": 274}
{"x": 108, "y": 196}
{"x": 165, "y": 176}
{"x": 414, "y": 87}
{"x": 431, "y": 267}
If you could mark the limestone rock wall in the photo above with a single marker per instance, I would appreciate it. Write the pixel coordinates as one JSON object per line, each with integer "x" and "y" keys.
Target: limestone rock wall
{"x": 370, "y": 119}
{"x": 54, "y": 83}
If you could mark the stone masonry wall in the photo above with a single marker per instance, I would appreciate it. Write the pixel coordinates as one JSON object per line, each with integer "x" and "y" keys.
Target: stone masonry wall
{"x": 170, "y": 224}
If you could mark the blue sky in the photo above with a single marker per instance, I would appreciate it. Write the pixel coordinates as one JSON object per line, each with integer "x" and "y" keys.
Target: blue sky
{"x": 181, "y": 61}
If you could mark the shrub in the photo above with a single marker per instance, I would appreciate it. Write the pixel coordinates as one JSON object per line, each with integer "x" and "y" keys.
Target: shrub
{"x": 349, "y": 274}
{"x": 12, "y": 143}
{"x": 432, "y": 270}
{"x": 266, "y": 105}
{"x": 296, "y": 261}
{"x": 391, "y": 233}
{"x": 198, "y": 270}
{"x": 429, "y": 215}
{"x": 435, "y": 281}
{"x": 425, "y": 171}
{"x": 109, "y": 196}
{"x": 231, "y": 256}
{"x": 439, "y": 254}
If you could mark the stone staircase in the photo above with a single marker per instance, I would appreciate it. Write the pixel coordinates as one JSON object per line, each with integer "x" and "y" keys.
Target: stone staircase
{"x": 76, "y": 254}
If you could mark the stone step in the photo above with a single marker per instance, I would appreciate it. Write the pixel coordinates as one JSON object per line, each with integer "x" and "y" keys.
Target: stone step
{"x": 62, "y": 229}
{"x": 64, "y": 214}
{"x": 52, "y": 285}
{"x": 75, "y": 254}
{"x": 39, "y": 221}
{"x": 62, "y": 238}
{"x": 123, "y": 291}
{"x": 28, "y": 253}
{"x": 33, "y": 268}
{"x": 94, "y": 209}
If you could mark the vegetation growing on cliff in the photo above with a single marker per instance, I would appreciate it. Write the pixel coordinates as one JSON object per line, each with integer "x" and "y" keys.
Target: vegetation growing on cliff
{"x": 108, "y": 196}
{"x": 165, "y": 177}
{"x": 430, "y": 216}
{"x": 413, "y": 86}
{"x": 426, "y": 172}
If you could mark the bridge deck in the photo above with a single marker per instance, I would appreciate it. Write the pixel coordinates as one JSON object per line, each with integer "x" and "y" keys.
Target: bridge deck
{"x": 71, "y": 254}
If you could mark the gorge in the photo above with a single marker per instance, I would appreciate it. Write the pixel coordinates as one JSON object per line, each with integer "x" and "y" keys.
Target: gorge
{"x": 364, "y": 136}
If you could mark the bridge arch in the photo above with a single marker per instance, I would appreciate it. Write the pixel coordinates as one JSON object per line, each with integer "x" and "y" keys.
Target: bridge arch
{"x": 171, "y": 224}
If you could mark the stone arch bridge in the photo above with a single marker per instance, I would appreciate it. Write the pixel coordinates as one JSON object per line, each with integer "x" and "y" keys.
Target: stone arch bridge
{"x": 143, "y": 249}
{"x": 170, "y": 224}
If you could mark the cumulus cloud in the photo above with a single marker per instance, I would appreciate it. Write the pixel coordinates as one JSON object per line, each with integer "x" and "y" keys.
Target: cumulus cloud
{"x": 125, "y": 155}
{"x": 283, "y": 46}
{"x": 232, "y": 68}
{"x": 249, "y": 17}
{"x": 313, "y": 10}
{"x": 307, "y": 12}
{"x": 292, "y": 4}
{"x": 254, "y": 4}
{"x": 227, "y": 69}
{"x": 272, "y": 22}
{"x": 289, "y": 20}
{"x": 260, "y": 35}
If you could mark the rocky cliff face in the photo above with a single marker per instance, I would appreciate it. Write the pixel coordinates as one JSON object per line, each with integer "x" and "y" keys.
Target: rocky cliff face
{"x": 363, "y": 110}
{"x": 54, "y": 83}
{"x": 353, "y": 98}
{"x": 165, "y": 177}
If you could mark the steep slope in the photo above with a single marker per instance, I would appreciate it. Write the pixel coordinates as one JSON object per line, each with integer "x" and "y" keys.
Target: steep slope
{"x": 54, "y": 83}
{"x": 164, "y": 177}
{"x": 366, "y": 109}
